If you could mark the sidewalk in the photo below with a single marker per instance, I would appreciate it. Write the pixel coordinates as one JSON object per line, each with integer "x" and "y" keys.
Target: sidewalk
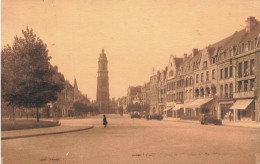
{"x": 41, "y": 131}
{"x": 248, "y": 124}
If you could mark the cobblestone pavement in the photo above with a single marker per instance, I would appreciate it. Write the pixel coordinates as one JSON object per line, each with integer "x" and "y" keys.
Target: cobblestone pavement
{"x": 128, "y": 140}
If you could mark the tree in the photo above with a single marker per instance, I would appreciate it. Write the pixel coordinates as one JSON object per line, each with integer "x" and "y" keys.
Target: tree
{"x": 33, "y": 82}
{"x": 80, "y": 108}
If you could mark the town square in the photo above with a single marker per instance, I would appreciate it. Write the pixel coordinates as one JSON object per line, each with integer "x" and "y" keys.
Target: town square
{"x": 130, "y": 81}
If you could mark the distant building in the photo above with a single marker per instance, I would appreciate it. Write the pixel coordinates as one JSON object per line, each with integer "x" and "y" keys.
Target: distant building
{"x": 102, "y": 84}
{"x": 131, "y": 93}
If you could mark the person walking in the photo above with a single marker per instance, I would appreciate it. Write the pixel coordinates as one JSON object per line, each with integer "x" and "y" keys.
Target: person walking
{"x": 105, "y": 121}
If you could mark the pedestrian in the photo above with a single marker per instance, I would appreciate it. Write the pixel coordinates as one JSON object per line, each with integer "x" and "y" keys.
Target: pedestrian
{"x": 105, "y": 121}
{"x": 230, "y": 116}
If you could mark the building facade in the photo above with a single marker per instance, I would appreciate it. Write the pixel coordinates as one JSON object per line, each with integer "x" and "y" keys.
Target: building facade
{"x": 221, "y": 80}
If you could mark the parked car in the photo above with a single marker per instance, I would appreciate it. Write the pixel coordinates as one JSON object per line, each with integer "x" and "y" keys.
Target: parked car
{"x": 154, "y": 117}
{"x": 209, "y": 119}
{"x": 136, "y": 115}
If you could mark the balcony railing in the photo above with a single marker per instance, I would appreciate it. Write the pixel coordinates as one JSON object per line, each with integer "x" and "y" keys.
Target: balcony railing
{"x": 244, "y": 94}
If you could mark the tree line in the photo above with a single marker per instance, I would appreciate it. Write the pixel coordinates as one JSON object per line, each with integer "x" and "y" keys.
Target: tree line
{"x": 28, "y": 78}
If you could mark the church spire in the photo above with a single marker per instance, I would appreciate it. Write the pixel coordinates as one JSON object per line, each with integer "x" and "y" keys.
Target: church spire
{"x": 75, "y": 83}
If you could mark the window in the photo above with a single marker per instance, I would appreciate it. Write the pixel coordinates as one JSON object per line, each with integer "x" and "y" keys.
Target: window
{"x": 171, "y": 73}
{"x": 240, "y": 70}
{"x": 197, "y": 78}
{"x": 252, "y": 85}
{"x": 174, "y": 84}
{"x": 207, "y": 76}
{"x": 231, "y": 90}
{"x": 239, "y": 86}
{"x": 221, "y": 91}
{"x": 190, "y": 80}
{"x": 226, "y": 91}
{"x": 205, "y": 64}
{"x": 202, "y": 78}
{"x": 213, "y": 74}
{"x": 221, "y": 73}
{"x": 226, "y": 72}
{"x": 249, "y": 45}
{"x": 213, "y": 60}
{"x": 230, "y": 71}
{"x": 252, "y": 67}
{"x": 243, "y": 47}
{"x": 245, "y": 85}
{"x": 245, "y": 68}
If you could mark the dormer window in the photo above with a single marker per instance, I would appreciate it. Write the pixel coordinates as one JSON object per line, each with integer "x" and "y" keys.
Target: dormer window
{"x": 213, "y": 60}
{"x": 171, "y": 73}
{"x": 205, "y": 64}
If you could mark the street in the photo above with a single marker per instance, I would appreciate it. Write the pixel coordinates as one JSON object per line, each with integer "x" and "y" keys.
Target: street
{"x": 128, "y": 140}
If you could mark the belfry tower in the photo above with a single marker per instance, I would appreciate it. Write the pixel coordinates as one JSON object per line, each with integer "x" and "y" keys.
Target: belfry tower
{"x": 102, "y": 84}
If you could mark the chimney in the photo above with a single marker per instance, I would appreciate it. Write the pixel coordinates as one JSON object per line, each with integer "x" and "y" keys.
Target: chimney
{"x": 185, "y": 56}
{"x": 194, "y": 52}
{"x": 250, "y": 23}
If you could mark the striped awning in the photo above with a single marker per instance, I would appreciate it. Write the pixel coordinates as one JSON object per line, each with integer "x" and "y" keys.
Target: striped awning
{"x": 167, "y": 108}
{"x": 178, "y": 107}
{"x": 241, "y": 104}
{"x": 198, "y": 103}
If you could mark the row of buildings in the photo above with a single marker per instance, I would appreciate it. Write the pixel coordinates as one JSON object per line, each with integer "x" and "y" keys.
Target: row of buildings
{"x": 222, "y": 80}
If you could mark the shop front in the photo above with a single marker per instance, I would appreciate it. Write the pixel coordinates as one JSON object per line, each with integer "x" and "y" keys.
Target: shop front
{"x": 244, "y": 110}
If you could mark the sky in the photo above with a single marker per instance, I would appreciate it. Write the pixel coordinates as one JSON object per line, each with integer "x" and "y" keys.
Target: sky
{"x": 137, "y": 35}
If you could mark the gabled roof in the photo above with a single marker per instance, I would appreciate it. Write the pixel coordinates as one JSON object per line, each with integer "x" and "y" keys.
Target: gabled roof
{"x": 235, "y": 39}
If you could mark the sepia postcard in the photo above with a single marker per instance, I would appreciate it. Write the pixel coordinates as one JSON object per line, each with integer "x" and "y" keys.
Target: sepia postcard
{"x": 130, "y": 81}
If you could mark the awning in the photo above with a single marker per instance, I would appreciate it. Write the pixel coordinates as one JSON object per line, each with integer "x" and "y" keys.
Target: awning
{"x": 167, "y": 108}
{"x": 178, "y": 106}
{"x": 198, "y": 103}
{"x": 241, "y": 104}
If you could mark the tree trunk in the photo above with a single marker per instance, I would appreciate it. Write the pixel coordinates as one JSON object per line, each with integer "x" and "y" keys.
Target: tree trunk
{"x": 13, "y": 112}
{"x": 37, "y": 114}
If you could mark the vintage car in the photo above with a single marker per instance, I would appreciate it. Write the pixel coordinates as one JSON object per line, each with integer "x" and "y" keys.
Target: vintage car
{"x": 154, "y": 117}
{"x": 136, "y": 115}
{"x": 209, "y": 119}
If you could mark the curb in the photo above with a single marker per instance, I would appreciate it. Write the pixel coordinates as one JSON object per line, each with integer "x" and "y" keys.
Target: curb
{"x": 238, "y": 126}
{"x": 43, "y": 134}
